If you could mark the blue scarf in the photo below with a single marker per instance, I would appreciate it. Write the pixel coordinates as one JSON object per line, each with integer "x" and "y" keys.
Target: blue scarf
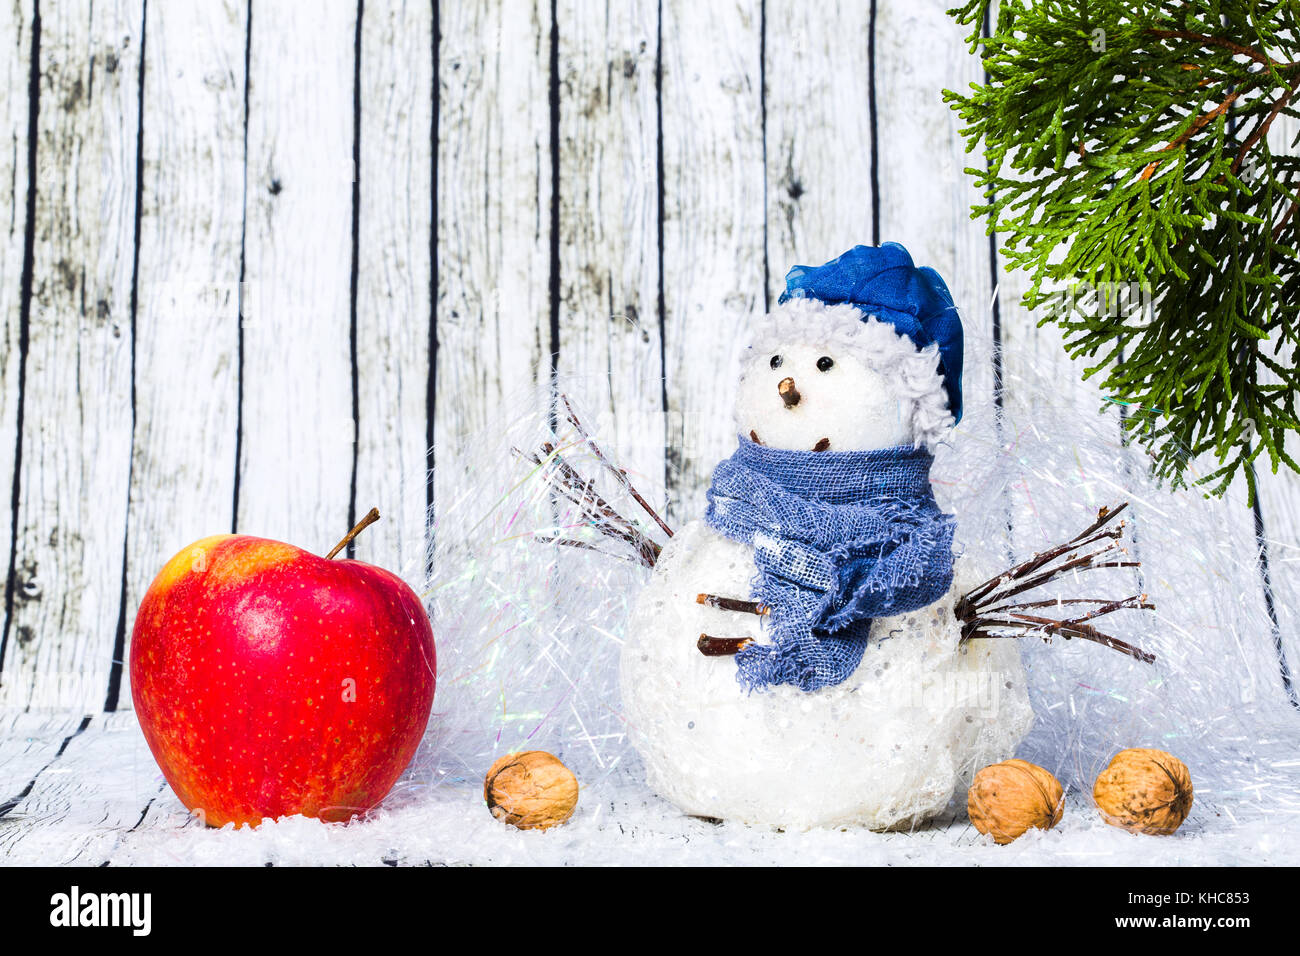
{"x": 839, "y": 538}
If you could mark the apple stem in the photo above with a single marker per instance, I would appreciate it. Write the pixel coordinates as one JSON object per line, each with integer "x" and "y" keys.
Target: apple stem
{"x": 371, "y": 517}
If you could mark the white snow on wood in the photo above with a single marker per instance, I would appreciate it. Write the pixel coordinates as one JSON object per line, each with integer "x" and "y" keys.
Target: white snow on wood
{"x": 104, "y": 801}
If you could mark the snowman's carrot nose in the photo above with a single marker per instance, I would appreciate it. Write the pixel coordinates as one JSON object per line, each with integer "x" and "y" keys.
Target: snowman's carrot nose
{"x": 789, "y": 394}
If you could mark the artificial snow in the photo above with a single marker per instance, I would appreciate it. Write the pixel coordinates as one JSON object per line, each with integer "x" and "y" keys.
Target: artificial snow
{"x": 622, "y": 823}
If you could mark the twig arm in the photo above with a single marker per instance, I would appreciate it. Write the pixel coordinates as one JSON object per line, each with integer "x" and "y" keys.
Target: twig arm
{"x": 733, "y": 604}
{"x": 619, "y": 474}
{"x": 988, "y": 611}
{"x": 722, "y": 646}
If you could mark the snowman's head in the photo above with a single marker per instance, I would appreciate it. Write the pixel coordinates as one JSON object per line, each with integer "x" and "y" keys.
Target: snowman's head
{"x": 822, "y": 377}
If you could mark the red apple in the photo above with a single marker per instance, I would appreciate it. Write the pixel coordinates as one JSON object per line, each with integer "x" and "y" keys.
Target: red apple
{"x": 271, "y": 681}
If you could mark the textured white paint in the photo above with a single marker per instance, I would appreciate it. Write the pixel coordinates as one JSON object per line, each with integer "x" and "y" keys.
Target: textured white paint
{"x": 187, "y": 326}
{"x": 494, "y": 196}
{"x": 29, "y": 742}
{"x": 609, "y": 269}
{"x": 297, "y": 427}
{"x": 15, "y": 33}
{"x": 818, "y": 99}
{"x": 394, "y": 307}
{"x": 713, "y": 228}
{"x": 81, "y": 804}
{"x": 925, "y": 197}
{"x": 77, "y": 420}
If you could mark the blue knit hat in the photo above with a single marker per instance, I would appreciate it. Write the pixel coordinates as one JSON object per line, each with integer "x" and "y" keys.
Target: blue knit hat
{"x": 881, "y": 281}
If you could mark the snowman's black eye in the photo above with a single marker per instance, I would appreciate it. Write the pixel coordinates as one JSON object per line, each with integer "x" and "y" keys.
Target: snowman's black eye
{"x": 776, "y": 361}
{"x": 825, "y": 363}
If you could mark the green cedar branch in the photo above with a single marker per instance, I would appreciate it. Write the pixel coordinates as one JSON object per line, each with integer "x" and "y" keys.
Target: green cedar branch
{"x": 1126, "y": 146}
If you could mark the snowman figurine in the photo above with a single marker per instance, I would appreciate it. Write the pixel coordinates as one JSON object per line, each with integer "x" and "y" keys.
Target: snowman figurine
{"x": 795, "y": 660}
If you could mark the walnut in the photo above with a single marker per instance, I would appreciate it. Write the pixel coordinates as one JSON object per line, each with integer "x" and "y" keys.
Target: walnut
{"x": 1146, "y": 791}
{"x": 1008, "y": 798}
{"x": 531, "y": 790}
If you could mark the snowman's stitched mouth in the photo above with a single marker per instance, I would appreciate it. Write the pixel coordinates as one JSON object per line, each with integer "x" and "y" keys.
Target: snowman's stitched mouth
{"x": 823, "y": 444}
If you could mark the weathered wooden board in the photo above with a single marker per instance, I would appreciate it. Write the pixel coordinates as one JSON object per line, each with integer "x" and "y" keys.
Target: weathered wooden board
{"x": 187, "y": 322}
{"x": 713, "y": 229}
{"x": 30, "y": 741}
{"x": 297, "y": 429}
{"x": 77, "y": 423}
{"x": 610, "y": 348}
{"x": 622, "y": 188}
{"x": 1279, "y": 494}
{"x": 15, "y": 180}
{"x": 924, "y": 196}
{"x": 494, "y": 223}
{"x": 82, "y": 802}
{"x": 394, "y": 309}
{"x": 818, "y": 134}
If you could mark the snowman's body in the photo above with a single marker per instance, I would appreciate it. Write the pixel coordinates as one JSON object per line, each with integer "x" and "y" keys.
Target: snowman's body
{"x": 890, "y": 745}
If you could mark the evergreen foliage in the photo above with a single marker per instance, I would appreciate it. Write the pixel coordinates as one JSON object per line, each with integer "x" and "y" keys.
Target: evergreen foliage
{"x": 1126, "y": 143}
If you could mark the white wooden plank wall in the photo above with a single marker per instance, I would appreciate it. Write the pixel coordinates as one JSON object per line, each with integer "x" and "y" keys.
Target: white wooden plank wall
{"x": 16, "y": 31}
{"x": 714, "y": 217}
{"x": 187, "y": 318}
{"x": 818, "y": 134}
{"x": 609, "y": 322}
{"x": 433, "y": 209}
{"x": 65, "y": 602}
{"x": 493, "y": 255}
{"x": 297, "y": 427}
{"x": 394, "y": 308}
